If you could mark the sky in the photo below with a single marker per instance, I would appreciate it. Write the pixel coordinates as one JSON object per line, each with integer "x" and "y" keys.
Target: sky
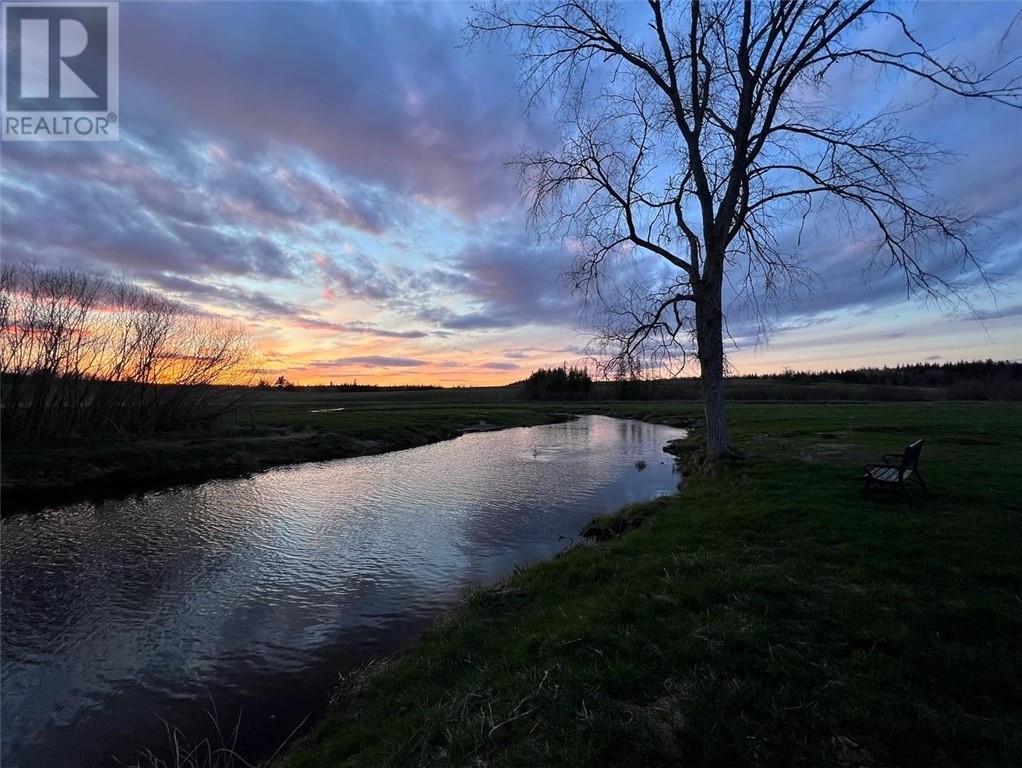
{"x": 335, "y": 176}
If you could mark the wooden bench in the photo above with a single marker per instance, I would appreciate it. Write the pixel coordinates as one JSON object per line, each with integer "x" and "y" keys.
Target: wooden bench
{"x": 894, "y": 472}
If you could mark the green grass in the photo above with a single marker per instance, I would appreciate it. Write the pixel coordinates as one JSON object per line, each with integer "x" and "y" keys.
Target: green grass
{"x": 768, "y": 615}
{"x": 268, "y": 430}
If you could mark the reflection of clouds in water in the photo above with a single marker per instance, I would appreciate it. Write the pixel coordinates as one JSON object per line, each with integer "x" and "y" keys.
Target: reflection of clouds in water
{"x": 564, "y": 477}
{"x": 140, "y": 605}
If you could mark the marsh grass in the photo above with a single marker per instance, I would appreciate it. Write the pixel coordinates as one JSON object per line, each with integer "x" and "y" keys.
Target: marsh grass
{"x": 218, "y": 750}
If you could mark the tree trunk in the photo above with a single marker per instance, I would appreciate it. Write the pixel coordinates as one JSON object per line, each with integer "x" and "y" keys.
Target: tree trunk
{"x": 710, "y": 340}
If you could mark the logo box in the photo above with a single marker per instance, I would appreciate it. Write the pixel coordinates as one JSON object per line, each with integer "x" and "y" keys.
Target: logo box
{"x": 60, "y": 71}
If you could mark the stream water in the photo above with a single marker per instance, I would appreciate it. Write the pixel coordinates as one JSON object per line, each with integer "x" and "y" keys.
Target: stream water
{"x": 254, "y": 593}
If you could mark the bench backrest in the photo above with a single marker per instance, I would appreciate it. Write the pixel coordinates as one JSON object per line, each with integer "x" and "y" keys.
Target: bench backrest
{"x": 910, "y": 459}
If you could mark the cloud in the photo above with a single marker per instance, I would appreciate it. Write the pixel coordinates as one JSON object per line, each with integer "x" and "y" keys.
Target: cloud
{"x": 369, "y": 361}
{"x": 257, "y": 304}
{"x": 355, "y": 275}
{"x": 276, "y": 196}
{"x": 248, "y": 301}
{"x": 379, "y": 93}
{"x": 489, "y": 284}
{"x": 357, "y": 327}
{"x": 135, "y": 221}
{"x": 506, "y": 284}
{"x": 339, "y": 169}
{"x": 1012, "y": 310}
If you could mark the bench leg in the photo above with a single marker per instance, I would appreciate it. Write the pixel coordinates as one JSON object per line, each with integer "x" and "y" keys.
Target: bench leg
{"x": 904, "y": 488}
{"x": 919, "y": 476}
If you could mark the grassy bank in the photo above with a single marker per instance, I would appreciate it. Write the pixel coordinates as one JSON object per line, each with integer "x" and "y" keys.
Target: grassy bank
{"x": 769, "y": 615}
{"x": 273, "y": 429}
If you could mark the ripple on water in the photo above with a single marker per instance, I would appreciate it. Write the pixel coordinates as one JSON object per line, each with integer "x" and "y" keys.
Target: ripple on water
{"x": 258, "y": 590}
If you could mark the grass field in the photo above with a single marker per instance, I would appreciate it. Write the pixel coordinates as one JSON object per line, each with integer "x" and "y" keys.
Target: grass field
{"x": 769, "y": 615}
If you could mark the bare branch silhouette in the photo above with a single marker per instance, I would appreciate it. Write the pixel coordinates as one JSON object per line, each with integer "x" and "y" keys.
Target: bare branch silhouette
{"x": 693, "y": 135}
{"x": 82, "y": 353}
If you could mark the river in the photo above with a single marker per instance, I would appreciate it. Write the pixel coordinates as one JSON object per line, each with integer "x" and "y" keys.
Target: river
{"x": 254, "y": 593}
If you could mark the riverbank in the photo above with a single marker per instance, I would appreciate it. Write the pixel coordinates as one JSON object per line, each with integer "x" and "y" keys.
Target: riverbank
{"x": 275, "y": 429}
{"x": 769, "y": 615}
{"x": 273, "y": 432}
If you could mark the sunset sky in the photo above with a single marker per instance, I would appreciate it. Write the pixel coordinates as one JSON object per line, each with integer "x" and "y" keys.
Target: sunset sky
{"x": 335, "y": 176}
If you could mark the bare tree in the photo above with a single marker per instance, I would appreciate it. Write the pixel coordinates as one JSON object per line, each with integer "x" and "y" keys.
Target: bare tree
{"x": 81, "y": 353}
{"x": 689, "y": 134}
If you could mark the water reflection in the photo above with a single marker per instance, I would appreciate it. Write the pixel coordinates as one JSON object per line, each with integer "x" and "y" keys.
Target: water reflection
{"x": 258, "y": 591}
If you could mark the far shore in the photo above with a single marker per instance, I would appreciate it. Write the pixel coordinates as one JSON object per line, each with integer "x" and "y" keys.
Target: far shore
{"x": 41, "y": 476}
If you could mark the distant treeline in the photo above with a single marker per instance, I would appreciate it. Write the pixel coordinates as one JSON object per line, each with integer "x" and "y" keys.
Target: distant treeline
{"x": 557, "y": 384}
{"x": 979, "y": 380}
{"x": 81, "y": 353}
{"x": 912, "y": 374}
{"x": 283, "y": 383}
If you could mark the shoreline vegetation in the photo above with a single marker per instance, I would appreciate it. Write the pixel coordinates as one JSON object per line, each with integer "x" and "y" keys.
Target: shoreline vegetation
{"x": 38, "y": 476}
{"x": 767, "y": 615}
